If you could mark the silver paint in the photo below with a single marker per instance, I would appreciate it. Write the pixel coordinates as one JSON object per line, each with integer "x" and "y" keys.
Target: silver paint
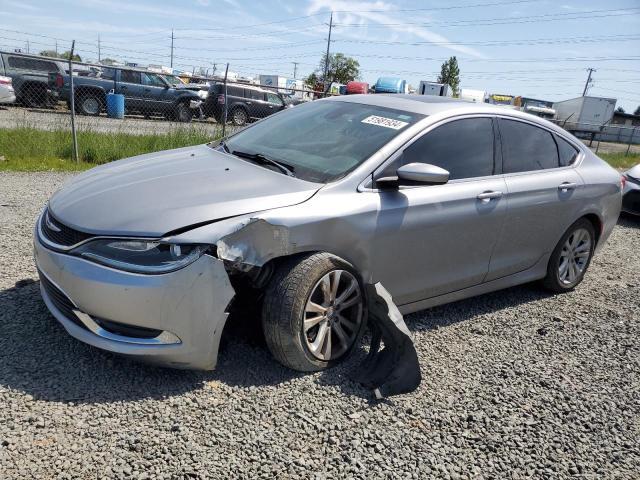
{"x": 427, "y": 245}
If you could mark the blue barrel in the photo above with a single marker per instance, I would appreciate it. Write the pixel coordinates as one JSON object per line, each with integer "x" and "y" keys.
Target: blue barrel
{"x": 115, "y": 105}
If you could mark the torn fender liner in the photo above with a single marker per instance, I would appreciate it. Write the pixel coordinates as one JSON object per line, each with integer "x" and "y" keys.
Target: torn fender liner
{"x": 253, "y": 244}
{"x": 394, "y": 369}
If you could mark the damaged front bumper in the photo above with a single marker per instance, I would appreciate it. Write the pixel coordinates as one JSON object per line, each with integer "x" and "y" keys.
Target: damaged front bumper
{"x": 174, "y": 319}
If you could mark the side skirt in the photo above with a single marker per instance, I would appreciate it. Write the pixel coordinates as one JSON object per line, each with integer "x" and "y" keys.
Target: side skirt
{"x": 537, "y": 272}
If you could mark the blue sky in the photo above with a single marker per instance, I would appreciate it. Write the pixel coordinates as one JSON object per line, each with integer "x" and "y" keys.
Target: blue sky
{"x": 536, "y": 48}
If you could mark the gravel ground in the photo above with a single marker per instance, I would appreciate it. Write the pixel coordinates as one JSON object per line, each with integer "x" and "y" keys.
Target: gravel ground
{"x": 517, "y": 384}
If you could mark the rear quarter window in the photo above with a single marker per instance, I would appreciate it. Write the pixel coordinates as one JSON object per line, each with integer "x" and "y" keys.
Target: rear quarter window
{"x": 25, "y": 63}
{"x": 526, "y": 148}
{"x": 567, "y": 152}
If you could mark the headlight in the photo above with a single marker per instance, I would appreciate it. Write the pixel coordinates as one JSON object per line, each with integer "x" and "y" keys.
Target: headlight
{"x": 140, "y": 256}
{"x": 203, "y": 94}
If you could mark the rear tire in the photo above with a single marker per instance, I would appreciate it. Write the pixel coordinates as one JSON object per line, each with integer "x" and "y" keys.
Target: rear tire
{"x": 571, "y": 257}
{"x": 239, "y": 117}
{"x": 314, "y": 312}
{"x": 89, "y": 104}
{"x": 183, "y": 113}
{"x": 34, "y": 96}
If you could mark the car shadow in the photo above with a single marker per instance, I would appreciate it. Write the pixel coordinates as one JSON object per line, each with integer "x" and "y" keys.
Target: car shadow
{"x": 39, "y": 358}
{"x": 628, "y": 220}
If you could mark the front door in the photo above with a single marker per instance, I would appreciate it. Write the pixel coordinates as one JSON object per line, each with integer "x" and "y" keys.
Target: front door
{"x": 155, "y": 94}
{"x": 435, "y": 239}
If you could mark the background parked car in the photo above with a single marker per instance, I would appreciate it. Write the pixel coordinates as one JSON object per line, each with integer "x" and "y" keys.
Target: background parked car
{"x": 631, "y": 198}
{"x": 7, "y": 94}
{"x": 29, "y": 76}
{"x": 245, "y": 103}
{"x": 145, "y": 92}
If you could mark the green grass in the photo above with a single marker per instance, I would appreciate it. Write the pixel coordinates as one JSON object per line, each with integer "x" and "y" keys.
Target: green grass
{"x": 619, "y": 160}
{"x": 29, "y": 149}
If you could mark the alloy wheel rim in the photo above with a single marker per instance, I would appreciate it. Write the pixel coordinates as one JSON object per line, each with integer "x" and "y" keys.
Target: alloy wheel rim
{"x": 239, "y": 117}
{"x": 91, "y": 105}
{"x": 333, "y": 315}
{"x": 574, "y": 256}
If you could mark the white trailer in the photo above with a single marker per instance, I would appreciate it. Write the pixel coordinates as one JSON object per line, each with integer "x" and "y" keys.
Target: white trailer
{"x": 477, "y": 96}
{"x": 288, "y": 86}
{"x": 585, "y": 114}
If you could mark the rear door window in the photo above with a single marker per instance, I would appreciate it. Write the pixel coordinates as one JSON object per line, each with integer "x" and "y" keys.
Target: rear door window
{"x": 235, "y": 91}
{"x": 462, "y": 147}
{"x": 129, "y": 76}
{"x": 567, "y": 152}
{"x": 255, "y": 94}
{"x": 526, "y": 148}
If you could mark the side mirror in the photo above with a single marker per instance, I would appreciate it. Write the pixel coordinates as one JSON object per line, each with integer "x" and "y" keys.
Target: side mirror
{"x": 415, "y": 174}
{"x": 423, "y": 173}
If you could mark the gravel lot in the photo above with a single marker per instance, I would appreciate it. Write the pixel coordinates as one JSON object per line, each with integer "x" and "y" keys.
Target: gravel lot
{"x": 517, "y": 384}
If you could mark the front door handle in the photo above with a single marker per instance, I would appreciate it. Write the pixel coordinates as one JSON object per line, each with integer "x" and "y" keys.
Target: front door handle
{"x": 566, "y": 186}
{"x": 488, "y": 196}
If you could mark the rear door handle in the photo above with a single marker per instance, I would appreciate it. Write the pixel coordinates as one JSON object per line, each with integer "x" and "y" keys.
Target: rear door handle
{"x": 566, "y": 186}
{"x": 488, "y": 196}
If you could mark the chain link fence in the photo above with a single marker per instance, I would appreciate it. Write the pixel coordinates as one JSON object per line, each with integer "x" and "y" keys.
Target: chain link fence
{"x": 60, "y": 96}
{"x": 119, "y": 102}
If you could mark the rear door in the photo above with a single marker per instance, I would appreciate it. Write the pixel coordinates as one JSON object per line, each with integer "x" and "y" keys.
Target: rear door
{"x": 543, "y": 190}
{"x": 435, "y": 239}
{"x": 130, "y": 85}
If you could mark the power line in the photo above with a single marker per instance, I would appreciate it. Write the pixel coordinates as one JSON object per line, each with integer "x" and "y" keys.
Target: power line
{"x": 503, "y": 43}
{"x": 500, "y": 20}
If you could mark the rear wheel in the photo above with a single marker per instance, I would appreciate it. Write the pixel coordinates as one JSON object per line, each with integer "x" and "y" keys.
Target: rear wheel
{"x": 571, "y": 257}
{"x": 183, "y": 113}
{"x": 313, "y": 313}
{"x": 34, "y": 96}
{"x": 239, "y": 117}
{"x": 89, "y": 104}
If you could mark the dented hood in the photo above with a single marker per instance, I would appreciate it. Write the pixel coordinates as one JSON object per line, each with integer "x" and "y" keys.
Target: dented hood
{"x": 157, "y": 193}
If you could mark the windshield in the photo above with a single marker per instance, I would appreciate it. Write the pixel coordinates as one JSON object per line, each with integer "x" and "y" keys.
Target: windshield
{"x": 323, "y": 140}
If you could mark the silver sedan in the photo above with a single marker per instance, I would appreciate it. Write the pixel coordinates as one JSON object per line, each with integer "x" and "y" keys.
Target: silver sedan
{"x": 436, "y": 199}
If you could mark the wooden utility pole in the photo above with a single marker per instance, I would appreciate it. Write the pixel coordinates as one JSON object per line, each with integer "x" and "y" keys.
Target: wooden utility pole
{"x": 172, "y": 48}
{"x": 586, "y": 85}
{"x": 326, "y": 60}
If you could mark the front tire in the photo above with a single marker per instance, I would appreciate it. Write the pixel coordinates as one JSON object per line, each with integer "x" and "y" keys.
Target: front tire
{"x": 571, "y": 257}
{"x": 314, "y": 312}
{"x": 239, "y": 117}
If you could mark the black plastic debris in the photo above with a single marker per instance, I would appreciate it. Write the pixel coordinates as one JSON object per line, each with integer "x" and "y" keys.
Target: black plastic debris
{"x": 394, "y": 369}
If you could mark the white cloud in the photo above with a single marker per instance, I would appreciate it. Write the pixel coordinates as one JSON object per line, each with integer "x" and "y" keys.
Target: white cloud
{"x": 380, "y": 12}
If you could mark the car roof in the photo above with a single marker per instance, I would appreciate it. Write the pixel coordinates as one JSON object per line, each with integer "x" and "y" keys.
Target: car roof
{"x": 424, "y": 104}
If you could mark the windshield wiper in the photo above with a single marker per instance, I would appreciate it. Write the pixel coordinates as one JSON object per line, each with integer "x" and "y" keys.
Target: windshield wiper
{"x": 264, "y": 160}
{"x": 224, "y": 146}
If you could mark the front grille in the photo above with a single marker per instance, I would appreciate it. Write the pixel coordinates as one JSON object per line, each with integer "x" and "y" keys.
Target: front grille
{"x": 60, "y": 300}
{"x": 59, "y": 233}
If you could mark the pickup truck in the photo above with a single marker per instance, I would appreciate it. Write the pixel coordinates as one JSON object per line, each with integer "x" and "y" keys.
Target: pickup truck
{"x": 146, "y": 93}
{"x": 29, "y": 75}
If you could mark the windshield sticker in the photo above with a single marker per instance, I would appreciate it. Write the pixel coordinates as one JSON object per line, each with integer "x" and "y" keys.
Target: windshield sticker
{"x": 385, "y": 122}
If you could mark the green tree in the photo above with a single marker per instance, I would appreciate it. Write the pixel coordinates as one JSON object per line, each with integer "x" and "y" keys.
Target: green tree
{"x": 620, "y": 110}
{"x": 450, "y": 74}
{"x": 312, "y": 80}
{"x": 49, "y": 53}
{"x": 341, "y": 69}
{"x": 637, "y": 111}
{"x": 65, "y": 55}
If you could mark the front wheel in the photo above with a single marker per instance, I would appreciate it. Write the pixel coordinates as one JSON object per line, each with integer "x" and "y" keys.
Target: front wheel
{"x": 314, "y": 311}
{"x": 89, "y": 104}
{"x": 571, "y": 257}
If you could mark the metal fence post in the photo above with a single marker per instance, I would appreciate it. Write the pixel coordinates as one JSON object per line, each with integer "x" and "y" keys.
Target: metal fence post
{"x": 224, "y": 118}
{"x": 633, "y": 130}
{"x": 73, "y": 105}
